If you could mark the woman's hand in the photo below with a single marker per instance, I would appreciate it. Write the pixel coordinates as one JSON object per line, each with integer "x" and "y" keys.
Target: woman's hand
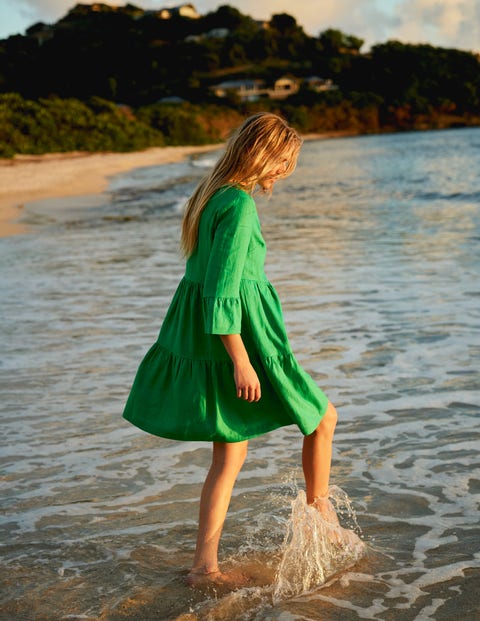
{"x": 247, "y": 382}
{"x": 246, "y": 379}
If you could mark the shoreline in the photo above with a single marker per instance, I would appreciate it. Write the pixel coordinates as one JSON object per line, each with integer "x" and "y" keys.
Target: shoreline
{"x": 29, "y": 178}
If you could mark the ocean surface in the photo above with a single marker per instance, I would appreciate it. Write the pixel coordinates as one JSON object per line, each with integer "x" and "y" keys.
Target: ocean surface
{"x": 374, "y": 248}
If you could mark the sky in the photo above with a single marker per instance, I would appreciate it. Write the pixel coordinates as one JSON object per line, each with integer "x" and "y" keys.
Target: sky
{"x": 444, "y": 23}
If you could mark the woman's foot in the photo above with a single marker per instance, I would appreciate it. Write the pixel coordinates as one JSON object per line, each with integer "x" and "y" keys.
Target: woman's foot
{"x": 201, "y": 579}
{"x": 338, "y": 536}
{"x": 326, "y": 509}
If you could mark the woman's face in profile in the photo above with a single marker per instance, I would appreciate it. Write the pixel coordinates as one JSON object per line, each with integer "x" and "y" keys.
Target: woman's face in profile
{"x": 278, "y": 171}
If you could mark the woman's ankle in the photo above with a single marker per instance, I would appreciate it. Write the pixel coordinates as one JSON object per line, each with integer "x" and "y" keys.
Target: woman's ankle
{"x": 205, "y": 569}
{"x": 312, "y": 498}
{"x": 325, "y": 507}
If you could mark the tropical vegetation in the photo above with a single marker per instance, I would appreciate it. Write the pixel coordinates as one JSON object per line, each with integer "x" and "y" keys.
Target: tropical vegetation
{"x": 123, "y": 78}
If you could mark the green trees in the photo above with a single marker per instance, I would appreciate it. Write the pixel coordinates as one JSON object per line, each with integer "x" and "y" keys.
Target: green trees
{"x": 422, "y": 76}
{"x": 135, "y": 57}
{"x": 189, "y": 124}
{"x": 335, "y": 42}
{"x": 57, "y": 81}
{"x": 58, "y": 125}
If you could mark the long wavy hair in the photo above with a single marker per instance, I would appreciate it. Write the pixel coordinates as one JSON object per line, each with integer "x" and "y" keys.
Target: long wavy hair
{"x": 256, "y": 149}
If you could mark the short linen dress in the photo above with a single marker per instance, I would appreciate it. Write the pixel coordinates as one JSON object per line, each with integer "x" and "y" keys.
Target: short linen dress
{"x": 184, "y": 388}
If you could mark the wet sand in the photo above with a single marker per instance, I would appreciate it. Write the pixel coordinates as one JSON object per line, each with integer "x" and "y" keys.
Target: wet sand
{"x": 25, "y": 179}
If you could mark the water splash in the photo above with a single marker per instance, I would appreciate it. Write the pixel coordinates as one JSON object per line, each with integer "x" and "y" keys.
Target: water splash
{"x": 314, "y": 549}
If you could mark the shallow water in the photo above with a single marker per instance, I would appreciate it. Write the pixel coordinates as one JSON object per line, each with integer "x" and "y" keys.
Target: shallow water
{"x": 374, "y": 249}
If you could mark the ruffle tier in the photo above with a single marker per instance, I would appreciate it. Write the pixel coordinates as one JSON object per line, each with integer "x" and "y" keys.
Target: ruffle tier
{"x": 184, "y": 388}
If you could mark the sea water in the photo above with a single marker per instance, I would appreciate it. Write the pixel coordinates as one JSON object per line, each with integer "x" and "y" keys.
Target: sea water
{"x": 373, "y": 246}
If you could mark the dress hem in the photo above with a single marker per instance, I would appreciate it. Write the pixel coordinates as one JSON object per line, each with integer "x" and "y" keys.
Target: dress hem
{"x": 147, "y": 428}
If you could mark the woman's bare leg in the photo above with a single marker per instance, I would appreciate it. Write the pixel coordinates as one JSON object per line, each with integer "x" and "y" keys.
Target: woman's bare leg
{"x": 227, "y": 461}
{"x": 316, "y": 462}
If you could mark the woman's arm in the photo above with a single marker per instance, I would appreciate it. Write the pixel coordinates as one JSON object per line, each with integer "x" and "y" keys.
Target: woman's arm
{"x": 246, "y": 379}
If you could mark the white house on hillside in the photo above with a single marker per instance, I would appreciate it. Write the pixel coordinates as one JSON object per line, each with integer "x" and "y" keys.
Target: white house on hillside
{"x": 284, "y": 87}
{"x": 252, "y": 90}
{"x": 245, "y": 90}
{"x": 182, "y": 10}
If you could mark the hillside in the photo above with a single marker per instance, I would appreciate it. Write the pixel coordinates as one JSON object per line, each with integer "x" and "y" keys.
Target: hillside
{"x": 136, "y": 58}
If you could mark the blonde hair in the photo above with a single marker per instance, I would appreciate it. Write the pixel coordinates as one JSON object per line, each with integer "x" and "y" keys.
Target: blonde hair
{"x": 254, "y": 150}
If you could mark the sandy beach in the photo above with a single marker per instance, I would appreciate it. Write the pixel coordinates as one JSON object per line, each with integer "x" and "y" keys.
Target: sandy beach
{"x": 25, "y": 179}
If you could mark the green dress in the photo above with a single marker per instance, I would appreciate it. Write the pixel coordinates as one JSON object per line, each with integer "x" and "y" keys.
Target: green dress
{"x": 184, "y": 388}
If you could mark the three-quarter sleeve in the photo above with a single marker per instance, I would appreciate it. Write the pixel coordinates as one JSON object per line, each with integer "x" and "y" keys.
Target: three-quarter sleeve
{"x": 232, "y": 234}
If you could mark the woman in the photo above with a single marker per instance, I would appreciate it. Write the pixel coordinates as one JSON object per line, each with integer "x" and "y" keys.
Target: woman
{"x": 222, "y": 369}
